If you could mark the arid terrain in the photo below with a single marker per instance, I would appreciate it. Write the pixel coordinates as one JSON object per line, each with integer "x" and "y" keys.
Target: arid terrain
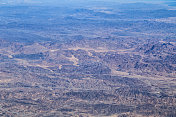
{"x": 88, "y": 59}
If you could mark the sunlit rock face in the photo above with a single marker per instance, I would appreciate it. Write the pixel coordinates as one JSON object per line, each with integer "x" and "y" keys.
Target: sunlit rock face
{"x": 87, "y": 58}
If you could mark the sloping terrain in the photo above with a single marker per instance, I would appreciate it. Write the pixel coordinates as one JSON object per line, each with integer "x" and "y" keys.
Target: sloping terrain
{"x": 88, "y": 61}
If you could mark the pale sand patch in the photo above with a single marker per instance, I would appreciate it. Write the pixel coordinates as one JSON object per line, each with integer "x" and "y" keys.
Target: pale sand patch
{"x": 74, "y": 60}
{"x": 126, "y": 74}
{"x": 10, "y": 56}
{"x": 35, "y": 48}
{"x": 114, "y": 72}
{"x": 162, "y": 41}
{"x": 90, "y": 54}
{"x": 5, "y": 80}
{"x": 54, "y": 50}
{"x": 6, "y": 52}
{"x": 174, "y": 43}
{"x": 100, "y": 49}
{"x": 25, "y": 63}
{"x": 22, "y": 62}
{"x": 60, "y": 66}
{"x": 166, "y": 20}
{"x": 123, "y": 51}
{"x": 42, "y": 66}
